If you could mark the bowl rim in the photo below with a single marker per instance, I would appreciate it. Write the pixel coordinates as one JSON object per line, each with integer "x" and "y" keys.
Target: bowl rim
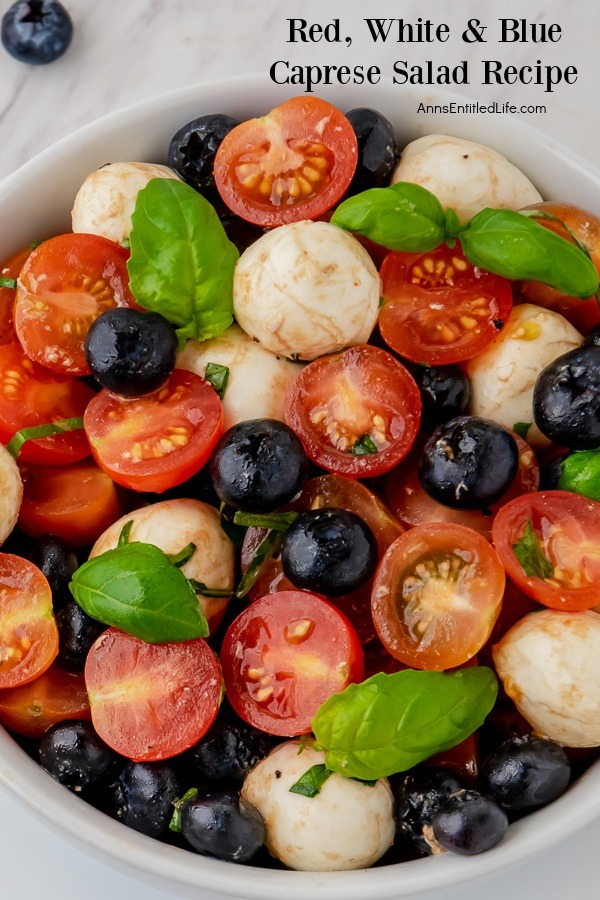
{"x": 131, "y": 850}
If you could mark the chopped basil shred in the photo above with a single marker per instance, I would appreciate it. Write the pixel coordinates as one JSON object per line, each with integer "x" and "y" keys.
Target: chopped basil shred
{"x": 310, "y": 784}
{"x": 528, "y": 551}
{"x": 364, "y": 446}
{"x": 218, "y": 377}
{"x": 521, "y": 428}
{"x": 274, "y": 521}
{"x": 175, "y": 824}
{"x": 206, "y": 591}
{"x": 180, "y": 559}
{"x": 125, "y": 532}
{"x": 8, "y": 283}
{"x": 270, "y": 545}
{"x": 37, "y": 432}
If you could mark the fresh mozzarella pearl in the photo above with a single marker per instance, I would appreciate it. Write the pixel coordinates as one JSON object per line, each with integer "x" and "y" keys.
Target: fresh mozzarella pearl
{"x": 173, "y": 524}
{"x": 550, "y": 666}
{"x": 106, "y": 199}
{"x": 347, "y": 826}
{"x": 11, "y": 493}
{"x": 504, "y": 375}
{"x": 465, "y": 176}
{"x": 258, "y": 380}
{"x": 306, "y": 289}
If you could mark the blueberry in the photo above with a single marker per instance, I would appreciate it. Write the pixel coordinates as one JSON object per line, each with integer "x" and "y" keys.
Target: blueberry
{"x": 566, "y": 399}
{"x": 131, "y": 352}
{"x": 551, "y": 473}
{"x": 143, "y": 797}
{"x": 419, "y": 797}
{"x": 468, "y": 463}
{"x": 193, "y": 148}
{"x": 445, "y": 392}
{"x": 378, "y": 151}
{"x": 229, "y": 751}
{"x": 76, "y": 633}
{"x": 258, "y": 465}
{"x": 36, "y": 31}
{"x": 330, "y": 551}
{"x": 58, "y": 563}
{"x": 222, "y": 825}
{"x": 468, "y": 823}
{"x": 526, "y": 772}
{"x": 74, "y": 754}
{"x": 593, "y": 337}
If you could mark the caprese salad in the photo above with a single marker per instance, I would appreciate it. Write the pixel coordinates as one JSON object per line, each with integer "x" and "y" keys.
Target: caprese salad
{"x": 300, "y": 473}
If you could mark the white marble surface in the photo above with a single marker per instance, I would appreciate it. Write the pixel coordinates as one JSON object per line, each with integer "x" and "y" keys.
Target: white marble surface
{"x": 126, "y": 50}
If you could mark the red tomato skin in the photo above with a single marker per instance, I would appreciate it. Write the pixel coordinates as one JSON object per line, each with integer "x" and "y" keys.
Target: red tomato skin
{"x": 332, "y": 659}
{"x": 10, "y": 268}
{"x": 53, "y": 697}
{"x": 201, "y": 414}
{"x": 151, "y": 701}
{"x": 578, "y": 520}
{"x": 372, "y": 375}
{"x": 299, "y": 121}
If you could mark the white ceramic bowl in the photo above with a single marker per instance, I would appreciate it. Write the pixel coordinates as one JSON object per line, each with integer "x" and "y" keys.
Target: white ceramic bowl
{"x": 35, "y": 202}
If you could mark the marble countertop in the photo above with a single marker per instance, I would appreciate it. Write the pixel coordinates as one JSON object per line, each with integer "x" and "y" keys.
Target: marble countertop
{"x": 126, "y": 51}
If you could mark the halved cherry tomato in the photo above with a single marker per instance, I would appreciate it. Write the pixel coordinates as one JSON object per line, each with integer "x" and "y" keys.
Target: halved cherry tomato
{"x": 437, "y": 308}
{"x": 151, "y": 701}
{"x": 284, "y": 656}
{"x": 66, "y": 283}
{"x": 356, "y": 412}
{"x": 53, "y": 697}
{"x": 413, "y": 506}
{"x": 436, "y": 596}
{"x": 31, "y": 395}
{"x": 563, "y": 547}
{"x": 154, "y": 442}
{"x": 292, "y": 164}
{"x": 582, "y": 314}
{"x": 28, "y": 632}
{"x": 76, "y": 503}
{"x": 10, "y": 268}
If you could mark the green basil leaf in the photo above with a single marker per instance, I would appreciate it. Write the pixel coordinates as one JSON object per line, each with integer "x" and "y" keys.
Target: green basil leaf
{"x": 364, "y": 446}
{"x": 125, "y": 533}
{"x": 528, "y": 551}
{"x": 218, "y": 377}
{"x": 510, "y": 244}
{"x": 9, "y": 283}
{"x": 175, "y": 823}
{"x": 522, "y": 428}
{"x": 136, "y": 589}
{"x": 310, "y": 784}
{"x": 181, "y": 262}
{"x": 403, "y": 216}
{"x": 37, "y": 432}
{"x": 275, "y": 521}
{"x": 580, "y": 473}
{"x": 389, "y": 723}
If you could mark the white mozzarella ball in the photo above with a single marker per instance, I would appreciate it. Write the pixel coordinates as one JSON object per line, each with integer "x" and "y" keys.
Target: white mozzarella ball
{"x": 464, "y": 176}
{"x": 106, "y": 199}
{"x": 173, "y": 524}
{"x": 549, "y": 663}
{"x": 504, "y": 375}
{"x": 306, "y": 289}
{"x": 258, "y": 380}
{"x": 11, "y": 493}
{"x": 347, "y": 826}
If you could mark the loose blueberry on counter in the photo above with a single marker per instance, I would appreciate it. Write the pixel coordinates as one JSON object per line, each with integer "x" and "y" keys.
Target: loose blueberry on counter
{"x": 76, "y": 633}
{"x": 193, "y": 148}
{"x": 58, "y": 563}
{"x": 222, "y": 825}
{"x": 419, "y": 797}
{"x": 36, "y": 31}
{"x": 468, "y": 463}
{"x": 526, "y": 772}
{"x": 74, "y": 754}
{"x": 468, "y": 823}
{"x": 378, "y": 151}
{"x": 330, "y": 551}
{"x": 258, "y": 466}
{"x": 143, "y": 795}
{"x": 445, "y": 392}
{"x": 566, "y": 399}
{"x": 229, "y": 751}
{"x": 130, "y": 352}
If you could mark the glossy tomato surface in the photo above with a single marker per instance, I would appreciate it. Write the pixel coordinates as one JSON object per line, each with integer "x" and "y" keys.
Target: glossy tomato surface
{"x": 292, "y": 164}
{"x": 53, "y": 697}
{"x": 436, "y": 596}
{"x": 557, "y": 537}
{"x": 66, "y": 283}
{"x": 356, "y": 412}
{"x": 28, "y": 632}
{"x": 154, "y": 442}
{"x": 286, "y": 654}
{"x": 76, "y": 503}
{"x": 32, "y": 395}
{"x": 151, "y": 701}
{"x": 10, "y": 269}
{"x": 438, "y": 308}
